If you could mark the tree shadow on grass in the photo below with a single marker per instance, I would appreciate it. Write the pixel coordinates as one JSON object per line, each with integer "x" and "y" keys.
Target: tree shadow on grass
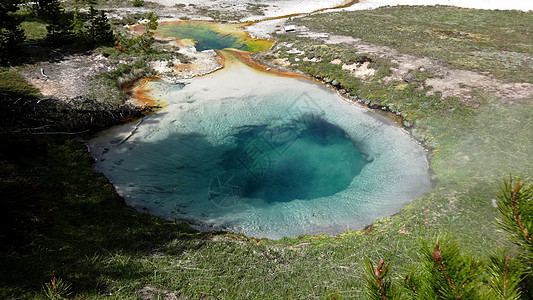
{"x": 58, "y": 217}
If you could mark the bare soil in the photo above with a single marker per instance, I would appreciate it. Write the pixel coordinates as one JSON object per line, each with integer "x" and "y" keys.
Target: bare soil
{"x": 450, "y": 82}
{"x": 68, "y": 76}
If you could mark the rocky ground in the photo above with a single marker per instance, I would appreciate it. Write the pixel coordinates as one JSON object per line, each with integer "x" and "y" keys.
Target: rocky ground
{"x": 197, "y": 63}
{"x": 67, "y": 76}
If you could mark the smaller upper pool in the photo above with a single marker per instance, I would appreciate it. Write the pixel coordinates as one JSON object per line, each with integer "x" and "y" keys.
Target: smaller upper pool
{"x": 208, "y": 35}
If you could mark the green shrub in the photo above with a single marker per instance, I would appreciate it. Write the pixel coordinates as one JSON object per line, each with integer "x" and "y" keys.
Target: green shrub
{"x": 137, "y": 3}
{"x": 446, "y": 272}
{"x": 56, "y": 289}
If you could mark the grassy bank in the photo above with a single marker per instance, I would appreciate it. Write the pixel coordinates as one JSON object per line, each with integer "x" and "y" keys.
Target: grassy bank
{"x": 496, "y": 42}
{"x": 60, "y": 218}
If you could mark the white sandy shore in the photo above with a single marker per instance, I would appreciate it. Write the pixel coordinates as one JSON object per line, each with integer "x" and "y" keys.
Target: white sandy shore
{"x": 274, "y": 8}
{"x": 265, "y": 28}
{"x": 524, "y": 5}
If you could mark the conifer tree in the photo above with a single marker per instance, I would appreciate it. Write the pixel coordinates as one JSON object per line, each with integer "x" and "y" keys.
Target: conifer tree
{"x": 11, "y": 34}
{"x": 91, "y": 28}
{"x": 103, "y": 32}
{"x": 515, "y": 203}
{"x": 99, "y": 28}
{"x": 505, "y": 276}
{"x": 77, "y": 24}
{"x": 58, "y": 22}
{"x": 146, "y": 40}
{"x": 152, "y": 22}
{"x": 378, "y": 281}
{"x": 47, "y": 9}
{"x": 446, "y": 273}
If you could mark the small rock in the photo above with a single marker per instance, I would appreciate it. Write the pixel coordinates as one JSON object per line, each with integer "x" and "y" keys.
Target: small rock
{"x": 409, "y": 77}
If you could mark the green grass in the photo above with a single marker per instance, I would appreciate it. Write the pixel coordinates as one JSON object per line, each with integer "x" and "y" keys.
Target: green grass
{"x": 497, "y": 42}
{"x": 256, "y": 8}
{"x": 60, "y": 218}
{"x": 14, "y": 84}
{"x": 67, "y": 222}
{"x": 408, "y": 100}
{"x": 34, "y": 30}
{"x": 63, "y": 220}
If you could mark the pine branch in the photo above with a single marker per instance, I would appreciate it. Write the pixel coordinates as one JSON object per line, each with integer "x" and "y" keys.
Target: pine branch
{"x": 378, "y": 283}
{"x": 446, "y": 273}
{"x": 437, "y": 256}
{"x": 379, "y": 272}
{"x": 506, "y": 274}
{"x": 514, "y": 203}
{"x": 410, "y": 285}
{"x": 505, "y": 277}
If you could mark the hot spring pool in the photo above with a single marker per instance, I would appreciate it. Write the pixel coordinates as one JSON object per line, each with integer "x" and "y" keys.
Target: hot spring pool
{"x": 209, "y": 35}
{"x": 245, "y": 151}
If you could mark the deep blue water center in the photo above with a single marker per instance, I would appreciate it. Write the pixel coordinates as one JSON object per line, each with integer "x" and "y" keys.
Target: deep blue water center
{"x": 302, "y": 159}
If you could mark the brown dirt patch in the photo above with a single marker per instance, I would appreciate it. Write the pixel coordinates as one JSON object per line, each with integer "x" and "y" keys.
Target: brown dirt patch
{"x": 67, "y": 77}
{"x": 450, "y": 82}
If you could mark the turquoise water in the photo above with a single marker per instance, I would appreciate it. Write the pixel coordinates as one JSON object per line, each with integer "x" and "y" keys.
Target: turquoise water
{"x": 207, "y": 36}
{"x": 266, "y": 156}
{"x": 302, "y": 159}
